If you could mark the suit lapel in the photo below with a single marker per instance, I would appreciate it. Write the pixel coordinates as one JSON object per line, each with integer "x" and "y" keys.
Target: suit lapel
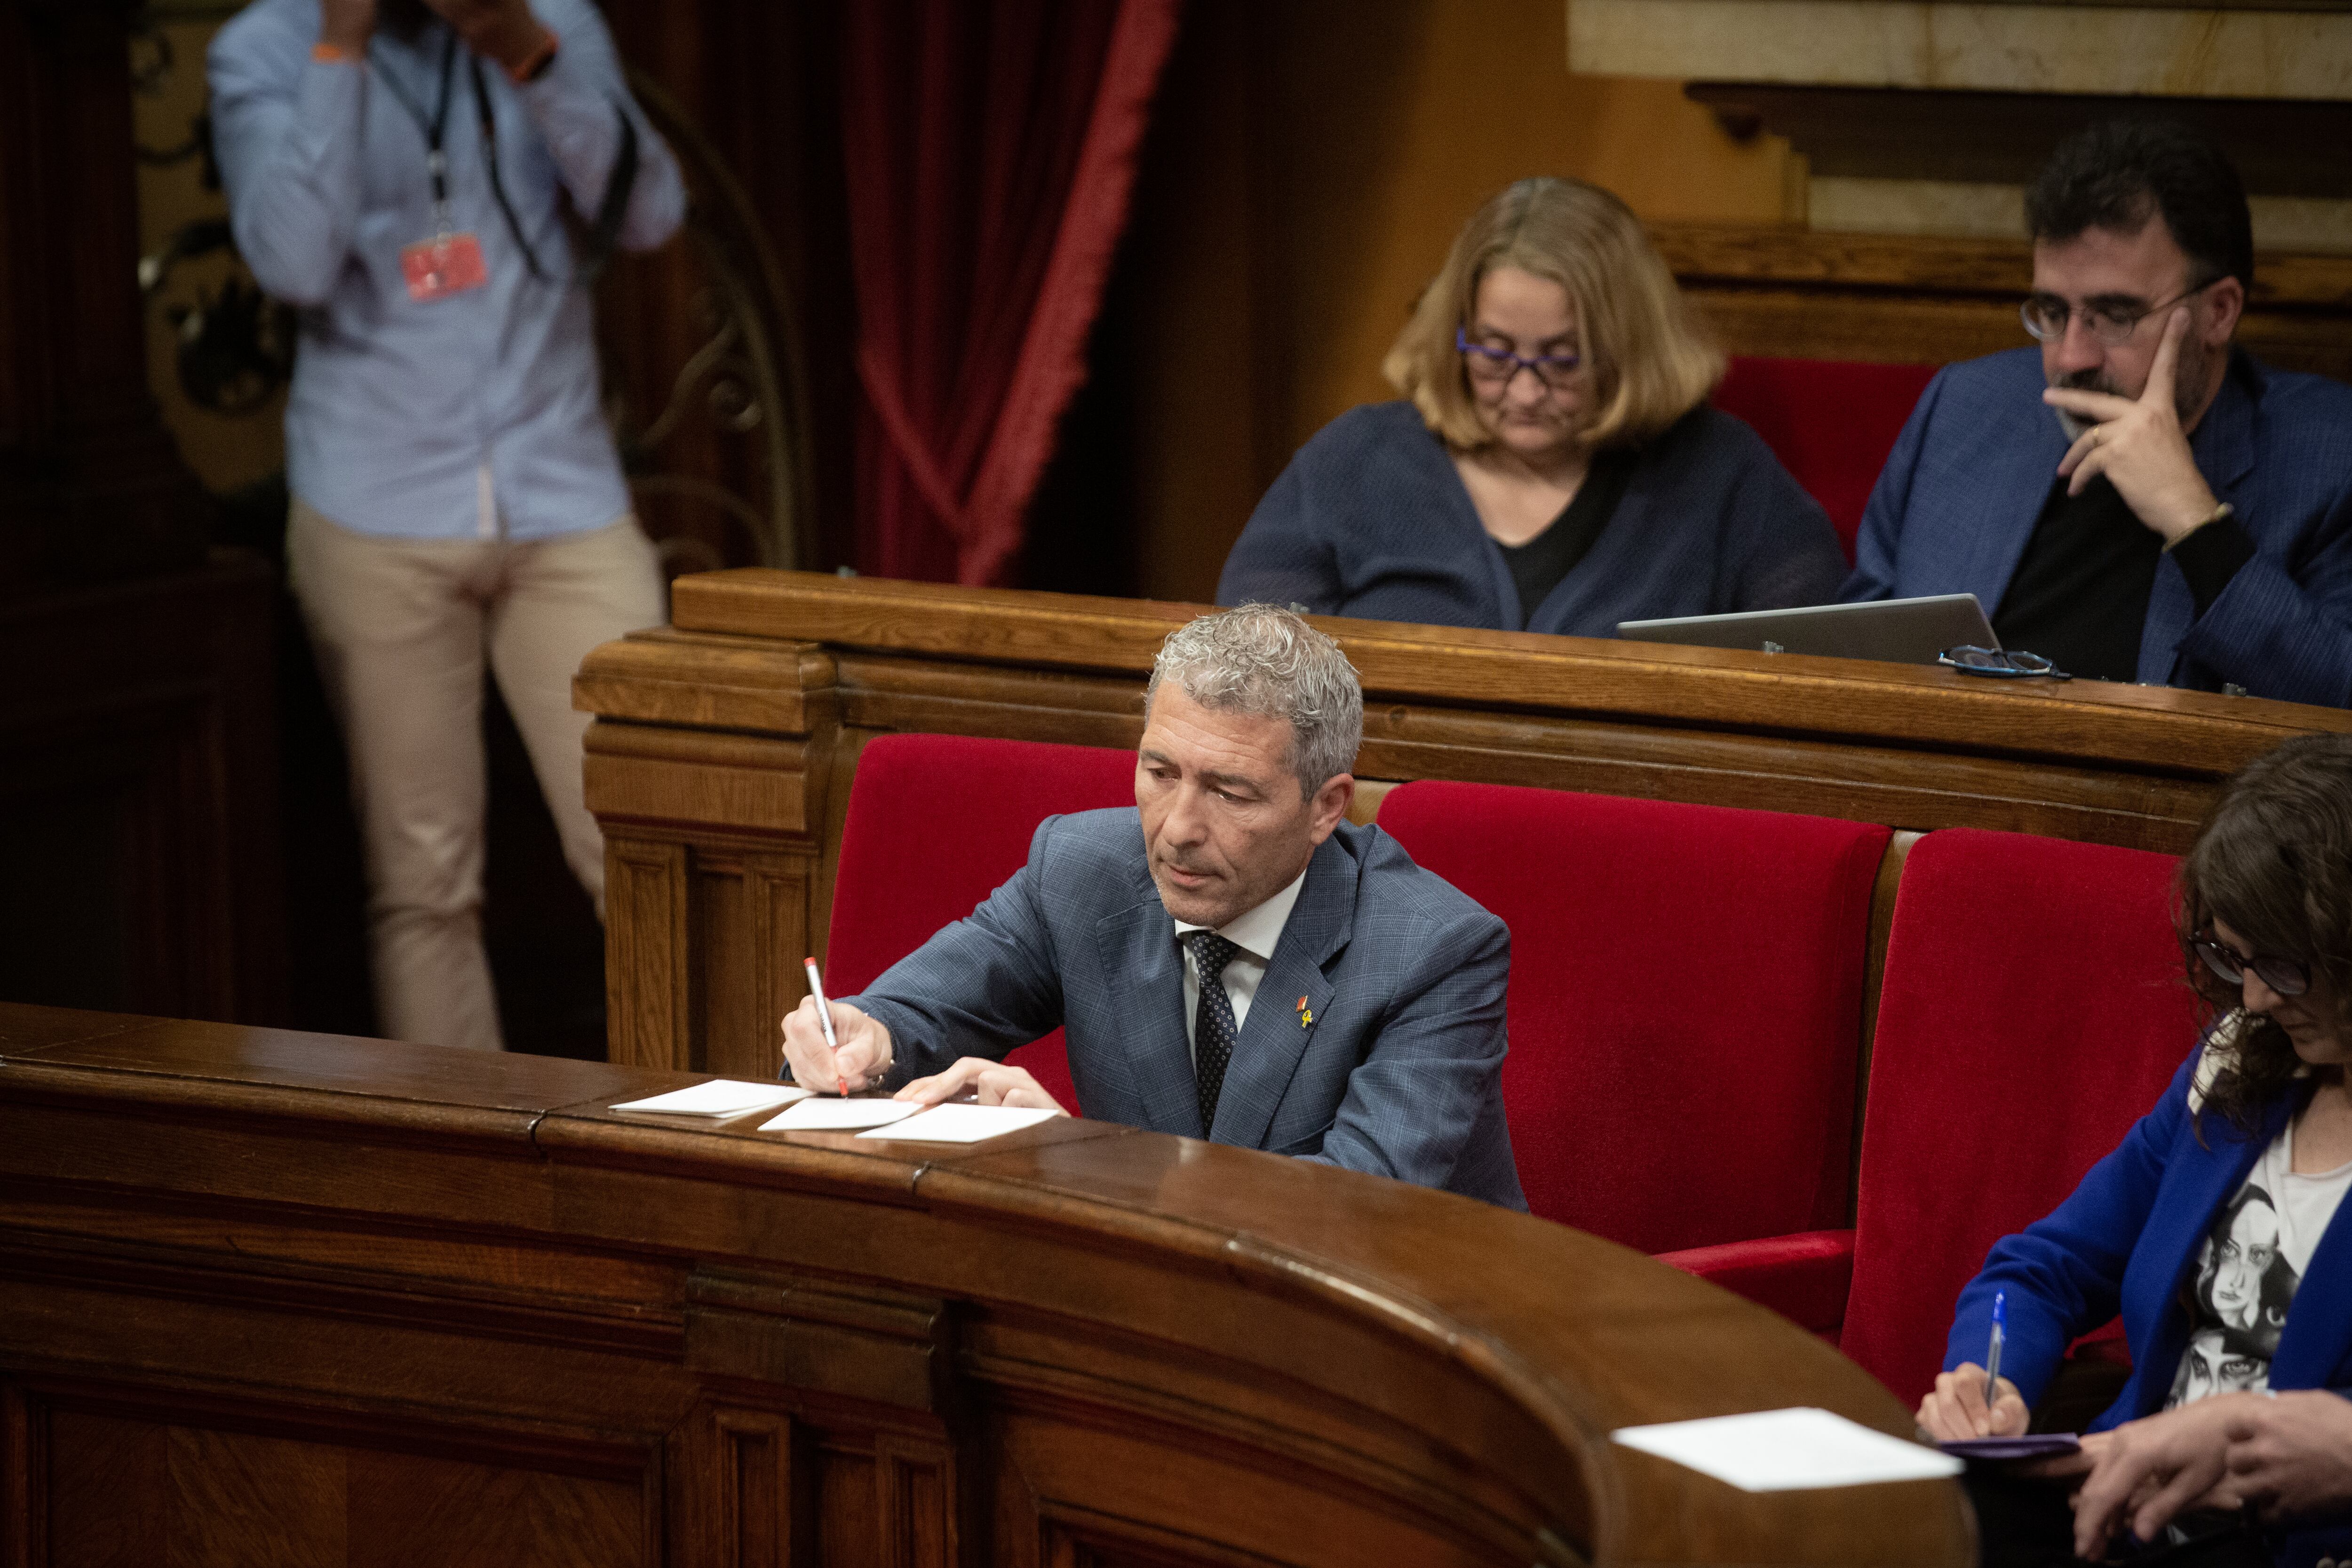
{"x": 1275, "y": 1037}
{"x": 1142, "y": 964}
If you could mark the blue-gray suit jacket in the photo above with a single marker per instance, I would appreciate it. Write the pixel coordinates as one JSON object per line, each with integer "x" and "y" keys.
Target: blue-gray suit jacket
{"x": 1959, "y": 495}
{"x": 1398, "y": 1075}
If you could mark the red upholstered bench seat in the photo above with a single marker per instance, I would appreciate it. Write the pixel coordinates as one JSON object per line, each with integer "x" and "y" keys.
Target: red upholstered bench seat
{"x": 1830, "y": 422}
{"x": 935, "y": 824}
{"x": 1685, "y": 1013}
{"x": 1684, "y": 1001}
{"x": 2031, "y": 1009}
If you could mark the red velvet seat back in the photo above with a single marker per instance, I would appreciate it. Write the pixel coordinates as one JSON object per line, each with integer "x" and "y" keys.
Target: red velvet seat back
{"x": 1830, "y": 422}
{"x": 1684, "y": 1005}
{"x": 935, "y": 824}
{"x": 2033, "y": 1009}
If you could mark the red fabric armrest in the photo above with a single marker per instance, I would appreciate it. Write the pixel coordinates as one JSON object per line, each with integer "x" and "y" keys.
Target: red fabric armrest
{"x": 1803, "y": 1277}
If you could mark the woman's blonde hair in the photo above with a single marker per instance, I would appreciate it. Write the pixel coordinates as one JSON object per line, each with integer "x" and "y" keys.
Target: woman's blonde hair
{"x": 1651, "y": 363}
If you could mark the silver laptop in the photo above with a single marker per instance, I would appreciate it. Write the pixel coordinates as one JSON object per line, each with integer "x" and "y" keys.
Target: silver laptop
{"x": 1900, "y": 631}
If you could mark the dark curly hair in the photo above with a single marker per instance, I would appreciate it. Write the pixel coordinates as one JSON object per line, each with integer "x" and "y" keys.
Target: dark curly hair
{"x": 2273, "y": 862}
{"x": 2118, "y": 173}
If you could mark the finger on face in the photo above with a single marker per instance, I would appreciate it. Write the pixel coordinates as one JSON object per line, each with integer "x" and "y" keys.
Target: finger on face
{"x": 2101, "y": 406}
{"x": 2167, "y": 359}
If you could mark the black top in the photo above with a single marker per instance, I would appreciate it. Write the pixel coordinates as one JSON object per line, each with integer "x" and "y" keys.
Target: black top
{"x": 2079, "y": 595}
{"x": 1538, "y": 565}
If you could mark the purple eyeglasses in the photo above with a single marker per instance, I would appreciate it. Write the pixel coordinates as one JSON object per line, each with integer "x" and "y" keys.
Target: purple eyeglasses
{"x": 1498, "y": 367}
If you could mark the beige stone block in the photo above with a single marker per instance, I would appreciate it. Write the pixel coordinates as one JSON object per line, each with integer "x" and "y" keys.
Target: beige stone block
{"x": 1996, "y": 48}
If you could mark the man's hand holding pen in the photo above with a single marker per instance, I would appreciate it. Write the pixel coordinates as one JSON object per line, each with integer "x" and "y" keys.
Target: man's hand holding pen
{"x": 858, "y": 1059}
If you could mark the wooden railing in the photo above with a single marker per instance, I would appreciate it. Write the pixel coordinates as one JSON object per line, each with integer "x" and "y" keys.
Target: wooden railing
{"x": 721, "y": 760}
{"x": 268, "y": 1296}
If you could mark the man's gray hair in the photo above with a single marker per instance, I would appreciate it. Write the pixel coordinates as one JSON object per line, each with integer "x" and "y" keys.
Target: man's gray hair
{"x": 1264, "y": 659}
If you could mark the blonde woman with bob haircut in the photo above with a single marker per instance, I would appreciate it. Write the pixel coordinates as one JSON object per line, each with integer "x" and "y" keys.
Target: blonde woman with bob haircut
{"x": 1553, "y": 466}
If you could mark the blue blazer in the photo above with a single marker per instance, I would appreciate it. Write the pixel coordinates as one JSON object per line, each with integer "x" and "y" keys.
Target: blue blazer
{"x": 1371, "y": 520}
{"x": 2123, "y": 1241}
{"x": 1398, "y": 1075}
{"x": 1960, "y": 492}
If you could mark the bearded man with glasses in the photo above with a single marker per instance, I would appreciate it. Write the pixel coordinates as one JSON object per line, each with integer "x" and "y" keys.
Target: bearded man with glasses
{"x": 2141, "y": 501}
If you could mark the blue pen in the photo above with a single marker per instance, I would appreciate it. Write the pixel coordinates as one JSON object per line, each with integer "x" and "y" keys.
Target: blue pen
{"x": 1992, "y": 1349}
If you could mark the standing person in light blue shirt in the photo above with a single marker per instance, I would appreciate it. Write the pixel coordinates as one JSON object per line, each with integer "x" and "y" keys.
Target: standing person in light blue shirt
{"x": 397, "y": 170}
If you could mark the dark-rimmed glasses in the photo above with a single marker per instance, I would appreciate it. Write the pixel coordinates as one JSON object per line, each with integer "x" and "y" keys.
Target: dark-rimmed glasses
{"x": 2283, "y": 976}
{"x": 1497, "y": 367}
{"x": 2046, "y": 316}
{"x": 1970, "y": 659}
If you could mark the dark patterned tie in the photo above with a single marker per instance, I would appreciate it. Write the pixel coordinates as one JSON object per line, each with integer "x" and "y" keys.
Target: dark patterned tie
{"x": 1213, "y": 1022}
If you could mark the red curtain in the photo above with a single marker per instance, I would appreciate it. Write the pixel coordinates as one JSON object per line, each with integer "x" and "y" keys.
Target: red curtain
{"x": 990, "y": 146}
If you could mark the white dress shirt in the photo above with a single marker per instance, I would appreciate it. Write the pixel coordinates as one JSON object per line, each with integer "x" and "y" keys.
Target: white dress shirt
{"x": 1256, "y": 933}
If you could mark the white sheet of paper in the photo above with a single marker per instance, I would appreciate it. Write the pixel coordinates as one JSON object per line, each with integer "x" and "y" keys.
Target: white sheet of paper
{"x": 719, "y": 1097}
{"x": 824, "y": 1114}
{"x": 1789, "y": 1450}
{"x": 964, "y": 1123}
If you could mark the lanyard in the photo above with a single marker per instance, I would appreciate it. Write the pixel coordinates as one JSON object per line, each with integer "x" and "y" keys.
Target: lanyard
{"x": 617, "y": 190}
{"x": 437, "y": 163}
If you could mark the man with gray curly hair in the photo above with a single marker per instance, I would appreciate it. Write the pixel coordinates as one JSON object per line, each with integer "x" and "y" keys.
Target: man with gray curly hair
{"x": 1168, "y": 942}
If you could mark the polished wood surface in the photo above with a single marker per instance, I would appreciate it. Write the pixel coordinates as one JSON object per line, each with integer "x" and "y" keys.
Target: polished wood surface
{"x": 1926, "y": 300}
{"x": 268, "y": 1296}
{"x": 721, "y": 760}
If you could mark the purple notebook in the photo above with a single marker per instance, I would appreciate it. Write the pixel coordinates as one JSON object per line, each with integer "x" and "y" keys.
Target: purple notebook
{"x": 2034, "y": 1445}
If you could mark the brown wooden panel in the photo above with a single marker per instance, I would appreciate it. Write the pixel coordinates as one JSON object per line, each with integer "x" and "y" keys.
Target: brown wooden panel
{"x": 849, "y": 1525}
{"x": 108, "y": 1489}
{"x": 648, "y": 989}
{"x": 138, "y": 1491}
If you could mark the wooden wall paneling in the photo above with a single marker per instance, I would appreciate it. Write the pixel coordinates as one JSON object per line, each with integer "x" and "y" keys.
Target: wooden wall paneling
{"x": 736, "y": 1488}
{"x": 735, "y": 734}
{"x": 23, "y": 1460}
{"x": 138, "y": 1476}
{"x": 1925, "y": 299}
{"x": 648, "y": 987}
{"x": 712, "y": 763}
{"x": 141, "y": 790}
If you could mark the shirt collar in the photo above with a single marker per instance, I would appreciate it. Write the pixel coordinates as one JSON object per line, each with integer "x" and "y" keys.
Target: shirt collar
{"x": 1256, "y": 931}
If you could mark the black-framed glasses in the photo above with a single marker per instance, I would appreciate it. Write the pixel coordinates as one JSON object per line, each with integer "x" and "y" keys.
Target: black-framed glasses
{"x": 1970, "y": 659}
{"x": 2283, "y": 976}
{"x": 2046, "y": 316}
{"x": 1497, "y": 367}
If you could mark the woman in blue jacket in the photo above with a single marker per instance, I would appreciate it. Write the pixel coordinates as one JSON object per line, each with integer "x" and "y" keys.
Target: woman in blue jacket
{"x": 1555, "y": 466}
{"x": 2217, "y": 1229}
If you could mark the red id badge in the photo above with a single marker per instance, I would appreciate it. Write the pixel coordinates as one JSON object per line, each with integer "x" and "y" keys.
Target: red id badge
{"x": 438, "y": 268}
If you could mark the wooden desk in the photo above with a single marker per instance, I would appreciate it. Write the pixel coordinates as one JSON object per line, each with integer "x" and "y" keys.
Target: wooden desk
{"x": 268, "y": 1296}
{"x": 721, "y": 760}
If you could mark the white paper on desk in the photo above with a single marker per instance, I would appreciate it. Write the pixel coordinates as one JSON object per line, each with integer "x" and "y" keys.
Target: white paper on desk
{"x": 828, "y": 1115}
{"x": 719, "y": 1097}
{"x": 1789, "y": 1450}
{"x": 964, "y": 1123}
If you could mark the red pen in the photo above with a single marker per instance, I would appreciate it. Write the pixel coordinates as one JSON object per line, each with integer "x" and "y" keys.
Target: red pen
{"x": 824, "y": 1017}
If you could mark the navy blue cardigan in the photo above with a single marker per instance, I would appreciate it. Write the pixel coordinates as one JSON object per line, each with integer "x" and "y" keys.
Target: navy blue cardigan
{"x": 1371, "y": 520}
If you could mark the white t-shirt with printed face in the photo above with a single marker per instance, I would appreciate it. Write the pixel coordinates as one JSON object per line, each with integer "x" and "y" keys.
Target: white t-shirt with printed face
{"x": 2253, "y": 1257}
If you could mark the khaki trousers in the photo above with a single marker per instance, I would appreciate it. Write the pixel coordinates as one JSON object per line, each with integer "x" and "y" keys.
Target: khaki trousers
{"x": 400, "y": 628}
